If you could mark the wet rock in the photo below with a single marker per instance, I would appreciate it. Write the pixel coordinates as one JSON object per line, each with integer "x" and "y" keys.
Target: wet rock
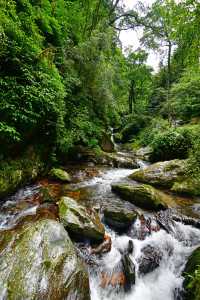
{"x": 46, "y": 196}
{"x": 144, "y": 153}
{"x": 115, "y": 279}
{"x": 119, "y": 217}
{"x": 60, "y": 175}
{"x": 83, "y": 222}
{"x": 162, "y": 173}
{"x": 191, "y": 273}
{"x": 107, "y": 144}
{"x": 187, "y": 220}
{"x": 103, "y": 247}
{"x": 144, "y": 227}
{"x": 119, "y": 160}
{"x": 165, "y": 221}
{"x": 142, "y": 195}
{"x": 39, "y": 261}
{"x": 128, "y": 267}
{"x": 115, "y": 159}
{"x": 82, "y": 154}
{"x": 123, "y": 274}
{"x": 190, "y": 186}
{"x": 150, "y": 260}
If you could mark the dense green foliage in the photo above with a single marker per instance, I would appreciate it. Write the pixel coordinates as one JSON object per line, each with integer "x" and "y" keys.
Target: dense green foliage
{"x": 61, "y": 72}
{"x": 64, "y": 79}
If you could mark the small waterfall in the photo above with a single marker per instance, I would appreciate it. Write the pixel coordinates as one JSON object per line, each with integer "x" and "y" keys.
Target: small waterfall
{"x": 112, "y": 138}
{"x": 142, "y": 164}
{"x": 165, "y": 280}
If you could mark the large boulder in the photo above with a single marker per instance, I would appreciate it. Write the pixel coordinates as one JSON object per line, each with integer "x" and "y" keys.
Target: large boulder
{"x": 39, "y": 261}
{"x": 162, "y": 173}
{"x": 119, "y": 217}
{"x": 142, "y": 195}
{"x": 189, "y": 186}
{"x": 191, "y": 273}
{"x": 60, "y": 175}
{"x": 83, "y": 222}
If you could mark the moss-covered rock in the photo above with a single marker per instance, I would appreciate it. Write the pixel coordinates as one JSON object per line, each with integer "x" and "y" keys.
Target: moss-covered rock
{"x": 143, "y": 195}
{"x": 144, "y": 153}
{"x": 119, "y": 217}
{"x": 192, "y": 276}
{"x": 188, "y": 186}
{"x": 16, "y": 173}
{"x": 39, "y": 261}
{"x": 119, "y": 160}
{"x": 59, "y": 174}
{"x": 82, "y": 222}
{"x": 162, "y": 173}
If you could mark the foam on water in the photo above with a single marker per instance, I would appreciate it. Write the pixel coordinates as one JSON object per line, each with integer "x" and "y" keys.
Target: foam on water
{"x": 162, "y": 282}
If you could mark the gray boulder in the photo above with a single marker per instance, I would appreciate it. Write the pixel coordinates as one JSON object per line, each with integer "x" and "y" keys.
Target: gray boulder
{"x": 83, "y": 222}
{"x": 38, "y": 261}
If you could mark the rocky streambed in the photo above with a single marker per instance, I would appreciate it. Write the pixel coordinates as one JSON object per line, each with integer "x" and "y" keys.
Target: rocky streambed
{"x": 98, "y": 235}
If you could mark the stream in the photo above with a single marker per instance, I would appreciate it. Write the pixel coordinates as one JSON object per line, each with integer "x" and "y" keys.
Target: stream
{"x": 165, "y": 281}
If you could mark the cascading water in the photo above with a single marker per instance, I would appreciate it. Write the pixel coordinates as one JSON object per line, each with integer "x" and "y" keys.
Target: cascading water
{"x": 162, "y": 283}
{"x": 165, "y": 281}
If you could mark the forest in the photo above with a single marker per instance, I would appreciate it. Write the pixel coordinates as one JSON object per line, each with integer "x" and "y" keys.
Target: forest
{"x": 71, "y": 94}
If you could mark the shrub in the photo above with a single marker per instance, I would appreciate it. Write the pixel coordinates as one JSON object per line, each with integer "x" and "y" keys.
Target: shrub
{"x": 172, "y": 144}
{"x": 133, "y": 127}
{"x": 194, "y": 159}
{"x": 185, "y": 95}
{"x": 147, "y": 135}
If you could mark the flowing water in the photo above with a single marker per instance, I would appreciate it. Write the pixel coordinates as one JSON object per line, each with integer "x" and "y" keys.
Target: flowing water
{"x": 163, "y": 283}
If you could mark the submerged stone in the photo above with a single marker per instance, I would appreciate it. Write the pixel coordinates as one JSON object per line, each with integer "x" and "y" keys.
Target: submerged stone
{"x": 39, "y": 261}
{"x": 83, "y": 222}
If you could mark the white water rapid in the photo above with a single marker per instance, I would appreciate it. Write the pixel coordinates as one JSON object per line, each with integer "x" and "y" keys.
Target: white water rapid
{"x": 165, "y": 281}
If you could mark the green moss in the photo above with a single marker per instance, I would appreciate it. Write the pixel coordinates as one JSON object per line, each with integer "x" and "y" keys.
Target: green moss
{"x": 188, "y": 186}
{"x": 14, "y": 173}
{"x": 59, "y": 174}
{"x": 36, "y": 253}
{"x": 144, "y": 196}
{"x": 79, "y": 221}
{"x": 192, "y": 276}
{"x": 162, "y": 173}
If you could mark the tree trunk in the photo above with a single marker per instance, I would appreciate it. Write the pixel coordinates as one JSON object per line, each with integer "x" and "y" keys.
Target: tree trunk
{"x": 170, "y": 115}
{"x": 131, "y": 97}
